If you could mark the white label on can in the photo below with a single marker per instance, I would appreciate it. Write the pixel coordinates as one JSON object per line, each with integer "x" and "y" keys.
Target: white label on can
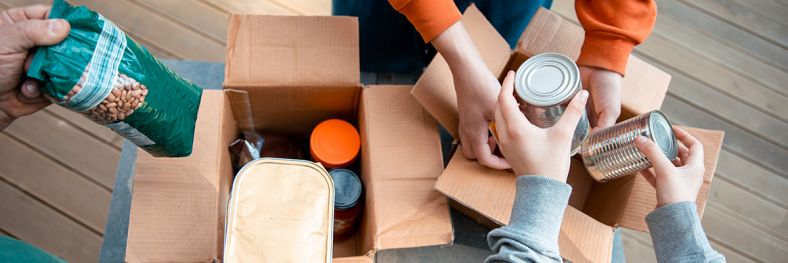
{"x": 130, "y": 133}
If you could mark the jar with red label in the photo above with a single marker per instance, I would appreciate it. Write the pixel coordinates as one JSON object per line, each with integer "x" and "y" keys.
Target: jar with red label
{"x": 347, "y": 202}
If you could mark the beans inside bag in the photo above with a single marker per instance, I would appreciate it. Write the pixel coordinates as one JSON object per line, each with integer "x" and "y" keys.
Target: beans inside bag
{"x": 105, "y": 75}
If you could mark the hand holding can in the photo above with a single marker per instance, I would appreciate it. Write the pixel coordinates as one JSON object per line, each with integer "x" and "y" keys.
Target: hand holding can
{"x": 678, "y": 180}
{"x": 530, "y": 149}
{"x": 611, "y": 153}
{"x": 544, "y": 85}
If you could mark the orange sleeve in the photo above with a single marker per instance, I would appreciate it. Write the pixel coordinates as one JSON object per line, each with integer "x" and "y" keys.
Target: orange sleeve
{"x": 612, "y": 29}
{"x": 430, "y": 17}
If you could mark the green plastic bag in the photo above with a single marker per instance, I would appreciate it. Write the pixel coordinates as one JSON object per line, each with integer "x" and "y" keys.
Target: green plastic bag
{"x": 102, "y": 73}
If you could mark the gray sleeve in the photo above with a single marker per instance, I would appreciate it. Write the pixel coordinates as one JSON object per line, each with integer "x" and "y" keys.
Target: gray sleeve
{"x": 532, "y": 233}
{"x": 678, "y": 236}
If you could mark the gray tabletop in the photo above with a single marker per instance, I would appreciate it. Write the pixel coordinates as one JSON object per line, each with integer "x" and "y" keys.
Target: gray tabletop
{"x": 470, "y": 244}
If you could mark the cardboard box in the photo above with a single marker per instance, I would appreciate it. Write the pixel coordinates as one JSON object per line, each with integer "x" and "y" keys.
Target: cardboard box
{"x": 285, "y": 75}
{"x": 595, "y": 208}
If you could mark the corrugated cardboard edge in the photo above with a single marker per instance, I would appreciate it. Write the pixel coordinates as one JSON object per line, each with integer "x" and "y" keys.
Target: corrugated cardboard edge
{"x": 181, "y": 186}
{"x": 242, "y": 108}
{"x": 644, "y": 86}
{"x": 358, "y": 259}
{"x": 435, "y": 88}
{"x": 643, "y": 196}
{"x": 582, "y": 238}
{"x": 408, "y": 211}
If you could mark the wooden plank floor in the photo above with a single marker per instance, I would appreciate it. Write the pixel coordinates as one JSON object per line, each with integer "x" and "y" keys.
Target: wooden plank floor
{"x": 730, "y": 71}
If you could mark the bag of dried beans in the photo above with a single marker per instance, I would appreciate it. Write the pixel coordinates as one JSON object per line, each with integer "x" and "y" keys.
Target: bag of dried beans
{"x": 102, "y": 73}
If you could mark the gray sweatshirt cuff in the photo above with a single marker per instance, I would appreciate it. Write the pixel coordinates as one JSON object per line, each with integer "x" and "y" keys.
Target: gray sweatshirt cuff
{"x": 678, "y": 236}
{"x": 539, "y": 207}
{"x": 535, "y": 222}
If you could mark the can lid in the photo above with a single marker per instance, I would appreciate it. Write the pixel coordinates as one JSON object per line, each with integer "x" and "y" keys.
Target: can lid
{"x": 347, "y": 187}
{"x": 662, "y": 133}
{"x": 335, "y": 143}
{"x": 547, "y": 79}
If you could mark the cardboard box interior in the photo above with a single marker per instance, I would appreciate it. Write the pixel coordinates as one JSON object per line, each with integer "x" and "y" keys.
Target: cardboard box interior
{"x": 285, "y": 75}
{"x": 487, "y": 195}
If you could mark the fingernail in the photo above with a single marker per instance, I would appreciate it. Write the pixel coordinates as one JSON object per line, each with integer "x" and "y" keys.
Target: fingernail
{"x": 55, "y": 26}
{"x": 640, "y": 140}
{"x": 583, "y": 95}
{"x": 30, "y": 90}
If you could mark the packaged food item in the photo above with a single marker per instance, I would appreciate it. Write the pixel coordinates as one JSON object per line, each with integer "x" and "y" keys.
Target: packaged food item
{"x": 545, "y": 84}
{"x": 245, "y": 149}
{"x": 334, "y": 143}
{"x": 347, "y": 204}
{"x": 102, "y": 73}
{"x": 283, "y": 146}
{"x": 280, "y": 210}
{"x": 610, "y": 153}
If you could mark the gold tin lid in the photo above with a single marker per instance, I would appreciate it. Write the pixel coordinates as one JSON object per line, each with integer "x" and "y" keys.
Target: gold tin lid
{"x": 280, "y": 210}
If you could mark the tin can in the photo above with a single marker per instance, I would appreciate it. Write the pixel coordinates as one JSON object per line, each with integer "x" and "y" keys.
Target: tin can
{"x": 347, "y": 208}
{"x": 545, "y": 84}
{"x": 611, "y": 152}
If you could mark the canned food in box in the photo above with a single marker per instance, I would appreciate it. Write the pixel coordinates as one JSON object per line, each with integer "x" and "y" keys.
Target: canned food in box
{"x": 347, "y": 208}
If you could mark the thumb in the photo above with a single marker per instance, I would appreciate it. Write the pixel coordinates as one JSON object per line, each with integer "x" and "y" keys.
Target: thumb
{"x": 27, "y": 34}
{"x": 574, "y": 111}
{"x": 653, "y": 153}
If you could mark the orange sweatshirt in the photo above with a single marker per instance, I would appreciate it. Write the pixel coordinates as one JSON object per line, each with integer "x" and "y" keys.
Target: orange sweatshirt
{"x": 612, "y": 27}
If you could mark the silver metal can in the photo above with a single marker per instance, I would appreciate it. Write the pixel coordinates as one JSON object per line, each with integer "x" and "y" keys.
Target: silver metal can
{"x": 545, "y": 84}
{"x": 611, "y": 152}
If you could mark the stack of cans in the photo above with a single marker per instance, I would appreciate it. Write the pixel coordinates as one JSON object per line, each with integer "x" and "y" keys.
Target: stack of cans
{"x": 611, "y": 152}
{"x": 545, "y": 84}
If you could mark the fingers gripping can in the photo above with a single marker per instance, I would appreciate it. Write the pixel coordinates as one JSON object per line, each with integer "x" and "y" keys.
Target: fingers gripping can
{"x": 545, "y": 84}
{"x": 611, "y": 152}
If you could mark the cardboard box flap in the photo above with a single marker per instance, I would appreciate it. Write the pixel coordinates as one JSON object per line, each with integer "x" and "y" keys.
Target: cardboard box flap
{"x": 182, "y": 187}
{"x": 292, "y": 51}
{"x": 644, "y": 86}
{"x": 468, "y": 182}
{"x": 643, "y": 197}
{"x": 435, "y": 88}
{"x": 583, "y": 239}
{"x": 358, "y": 259}
{"x": 242, "y": 108}
{"x": 402, "y": 160}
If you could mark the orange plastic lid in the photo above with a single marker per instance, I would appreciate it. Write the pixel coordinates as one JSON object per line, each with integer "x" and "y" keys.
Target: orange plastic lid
{"x": 335, "y": 143}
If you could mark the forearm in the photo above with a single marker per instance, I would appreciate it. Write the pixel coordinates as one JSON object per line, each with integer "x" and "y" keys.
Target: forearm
{"x": 678, "y": 236}
{"x": 532, "y": 232}
{"x": 457, "y": 48}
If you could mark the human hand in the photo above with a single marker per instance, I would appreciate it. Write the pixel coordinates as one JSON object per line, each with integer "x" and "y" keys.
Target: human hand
{"x": 22, "y": 29}
{"x": 676, "y": 181}
{"x": 532, "y": 150}
{"x": 476, "y": 88}
{"x": 605, "y": 89}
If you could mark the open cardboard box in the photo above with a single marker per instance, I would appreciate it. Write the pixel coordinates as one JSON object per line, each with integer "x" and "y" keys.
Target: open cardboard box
{"x": 285, "y": 75}
{"x": 595, "y": 208}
